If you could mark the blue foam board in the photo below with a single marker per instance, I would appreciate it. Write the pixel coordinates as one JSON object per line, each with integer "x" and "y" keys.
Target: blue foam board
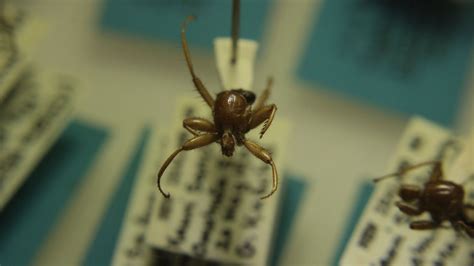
{"x": 292, "y": 196}
{"x": 102, "y": 248}
{"x": 411, "y": 57}
{"x": 362, "y": 198}
{"x": 162, "y": 19}
{"x": 35, "y": 208}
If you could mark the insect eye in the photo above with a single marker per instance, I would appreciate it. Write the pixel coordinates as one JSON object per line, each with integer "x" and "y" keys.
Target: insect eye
{"x": 248, "y": 95}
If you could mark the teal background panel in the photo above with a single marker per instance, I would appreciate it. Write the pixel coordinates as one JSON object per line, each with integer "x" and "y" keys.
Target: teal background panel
{"x": 292, "y": 196}
{"x": 408, "y": 56}
{"x": 101, "y": 250}
{"x": 362, "y": 198}
{"x": 35, "y": 208}
{"x": 162, "y": 19}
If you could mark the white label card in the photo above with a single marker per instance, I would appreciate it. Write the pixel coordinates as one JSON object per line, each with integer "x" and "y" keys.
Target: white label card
{"x": 215, "y": 212}
{"x": 32, "y": 116}
{"x": 131, "y": 248}
{"x": 382, "y": 235}
{"x": 240, "y": 74}
{"x": 19, "y": 34}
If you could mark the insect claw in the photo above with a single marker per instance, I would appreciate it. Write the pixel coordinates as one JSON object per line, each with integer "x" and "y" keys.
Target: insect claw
{"x": 267, "y": 196}
{"x": 274, "y": 181}
{"x": 274, "y": 188}
{"x": 166, "y": 195}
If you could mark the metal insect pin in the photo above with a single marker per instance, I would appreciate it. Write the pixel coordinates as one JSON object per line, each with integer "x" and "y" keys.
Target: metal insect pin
{"x": 442, "y": 199}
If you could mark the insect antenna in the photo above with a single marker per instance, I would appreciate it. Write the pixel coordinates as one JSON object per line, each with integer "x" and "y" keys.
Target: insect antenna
{"x": 184, "y": 43}
{"x": 196, "y": 80}
{"x": 376, "y": 180}
{"x": 404, "y": 170}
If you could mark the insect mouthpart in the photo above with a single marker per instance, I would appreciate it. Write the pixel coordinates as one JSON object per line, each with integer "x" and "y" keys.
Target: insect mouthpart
{"x": 228, "y": 144}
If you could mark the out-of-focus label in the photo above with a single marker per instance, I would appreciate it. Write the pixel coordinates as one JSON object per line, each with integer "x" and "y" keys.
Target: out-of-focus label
{"x": 383, "y": 236}
{"x": 411, "y": 57}
{"x": 32, "y": 115}
{"x": 18, "y": 35}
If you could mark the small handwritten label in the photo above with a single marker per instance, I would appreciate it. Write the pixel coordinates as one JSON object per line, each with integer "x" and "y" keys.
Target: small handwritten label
{"x": 215, "y": 212}
{"x": 32, "y": 117}
{"x": 383, "y": 236}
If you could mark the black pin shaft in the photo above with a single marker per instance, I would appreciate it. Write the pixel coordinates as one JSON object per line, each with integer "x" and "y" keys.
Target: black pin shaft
{"x": 235, "y": 28}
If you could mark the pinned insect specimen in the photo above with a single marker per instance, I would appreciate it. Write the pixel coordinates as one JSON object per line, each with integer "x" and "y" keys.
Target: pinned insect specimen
{"x": 442, "y": 199}
{"x": 235, "y": 112}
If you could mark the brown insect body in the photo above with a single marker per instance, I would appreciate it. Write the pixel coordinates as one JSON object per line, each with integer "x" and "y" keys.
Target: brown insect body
{"x": 232, "y": 114}
{"x": 235, "y": 112}
{"x": 442, "y": 199}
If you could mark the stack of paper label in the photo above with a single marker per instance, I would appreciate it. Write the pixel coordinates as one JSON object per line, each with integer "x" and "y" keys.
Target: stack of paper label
{"x": 383, "y": 236}
{"x": 34, "y": 107}
{"x": 215, "y": 213}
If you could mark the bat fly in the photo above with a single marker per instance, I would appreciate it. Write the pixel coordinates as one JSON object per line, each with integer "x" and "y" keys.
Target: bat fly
{"x": 442, "y": 199}
{"x": 235, "y": 112}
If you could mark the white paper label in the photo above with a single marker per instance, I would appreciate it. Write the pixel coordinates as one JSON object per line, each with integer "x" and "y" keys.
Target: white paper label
{"x": 383, "y": 236}
{"x": 32, "y": 116}
{"x": 215, "y": 212}
{"x": 17, "y": 45}
{"x": 240, "y": 74}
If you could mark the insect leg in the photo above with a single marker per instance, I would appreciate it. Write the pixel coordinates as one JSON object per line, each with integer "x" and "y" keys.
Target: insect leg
{"x": 469, "y": 206}
{"x": 423, "y": 225}
{"x": 468, "y": 229}
{"x": 468, "y": 210}
{"x": 196, "y": 80}
{"x": 264, "y": 96}
{"x": 265, "y": 114}
{"x": 409, "y": 192}
{"x": 408, "y": 209}
{"x": 265, "y": 156}
{"x": 194, "y": 143}
{"x": 196, "y": 125}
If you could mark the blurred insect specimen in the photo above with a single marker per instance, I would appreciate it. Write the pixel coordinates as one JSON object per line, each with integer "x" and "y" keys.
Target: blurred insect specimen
{"x": 442, "y": 199}
{"x": 235, "y": 113}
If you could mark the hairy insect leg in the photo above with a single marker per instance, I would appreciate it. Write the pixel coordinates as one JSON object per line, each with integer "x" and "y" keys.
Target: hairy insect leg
{"x": 260, "y": 102}
{"x": 409, "y": 192}
{"x": 265, "y": 114}
{"x": 468, "y": 229}
{"x": 196, "y": 125}
{"x": 194, "y": 143}
{"x": 265, "y": 156}
{"x": 423, "y": 225}
{"x": 408, "y": 209}
{"x": 196, "y": 80}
